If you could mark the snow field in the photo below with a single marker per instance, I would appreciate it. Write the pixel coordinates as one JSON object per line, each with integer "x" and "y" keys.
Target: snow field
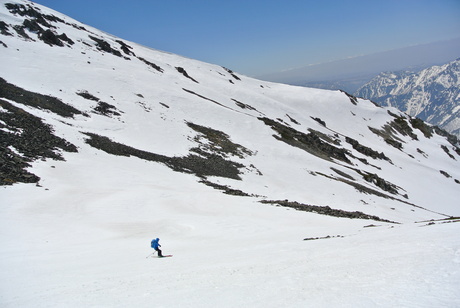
{"x": 227, "y": 251}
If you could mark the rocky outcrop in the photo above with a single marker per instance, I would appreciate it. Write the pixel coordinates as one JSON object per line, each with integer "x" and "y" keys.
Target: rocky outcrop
{"x": 324, "y": 210}
{"x": 23, "y": 139}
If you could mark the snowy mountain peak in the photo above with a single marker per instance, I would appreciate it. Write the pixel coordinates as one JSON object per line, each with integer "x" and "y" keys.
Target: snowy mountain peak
{"x": 106, "y": 143}
{"x": 432, "y": 94}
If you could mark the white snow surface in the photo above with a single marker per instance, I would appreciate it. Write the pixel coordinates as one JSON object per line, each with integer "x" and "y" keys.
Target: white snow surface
{"x": 81, "y": 237}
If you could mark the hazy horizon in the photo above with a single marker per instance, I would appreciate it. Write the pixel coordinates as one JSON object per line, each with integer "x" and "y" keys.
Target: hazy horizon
{"x": 356, "y": 70}
{"x": 259, "y": 37}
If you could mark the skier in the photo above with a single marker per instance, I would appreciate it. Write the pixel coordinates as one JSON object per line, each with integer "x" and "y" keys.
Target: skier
{"x": 155, "y": 245}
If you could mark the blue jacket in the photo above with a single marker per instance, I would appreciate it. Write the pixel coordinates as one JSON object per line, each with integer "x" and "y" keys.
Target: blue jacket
{"x": 155, "y": 243}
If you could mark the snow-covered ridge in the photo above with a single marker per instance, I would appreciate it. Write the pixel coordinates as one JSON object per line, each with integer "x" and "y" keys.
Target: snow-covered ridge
{"x": 432, "y": 94}
{"x": 106, "y": 143}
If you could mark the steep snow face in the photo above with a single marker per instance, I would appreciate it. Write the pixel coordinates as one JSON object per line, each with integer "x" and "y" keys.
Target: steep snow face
{"x": 106, "y": 143}
{"x": 432, "y": 94}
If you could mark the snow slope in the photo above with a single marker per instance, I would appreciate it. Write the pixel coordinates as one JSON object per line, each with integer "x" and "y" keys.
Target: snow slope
{"x": 80, "y": 235}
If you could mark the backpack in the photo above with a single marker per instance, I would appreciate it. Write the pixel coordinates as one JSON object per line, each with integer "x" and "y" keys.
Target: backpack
{"x": 154, "y": 244}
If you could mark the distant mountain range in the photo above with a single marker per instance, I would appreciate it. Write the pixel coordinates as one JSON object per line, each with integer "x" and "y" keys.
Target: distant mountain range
{"x": 352, "y": 73}
{"x": 432, "y": 94}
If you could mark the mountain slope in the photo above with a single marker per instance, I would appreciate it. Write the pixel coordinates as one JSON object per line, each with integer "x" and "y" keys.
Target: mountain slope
{"x": 171, "y": 107}
{"x": 106, "y": 143}
{"x": 432, "y": 94}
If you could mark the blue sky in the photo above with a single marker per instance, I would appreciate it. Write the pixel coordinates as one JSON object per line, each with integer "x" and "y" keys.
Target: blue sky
{"x": 255, "y": 37}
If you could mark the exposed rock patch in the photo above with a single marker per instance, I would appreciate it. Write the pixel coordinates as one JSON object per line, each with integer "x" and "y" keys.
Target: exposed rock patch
{"x": 21, "y": 96}
{"x": 217, "y": 142}
{"x": 202, "y": 165}
{"x": 37, "y": 23}
{"x": 126, "y": 48}
{"x": 227, "y": 190}
{"x": 31, "y": 11}
{"x": 366, "y": 150}
{"x": 324, "y": 210}
{"x": 4, "y": 29}
{"x": 151, "y": 64}
{"x": 211, "y": 100}
{"x": 321, "y": 237}
{"x": 23, "y": 139}
{"x": 312, "y": 142}
{"x": 352, "y": 98}
{"x": 102, "y": 108}
{"x": 246, "y": 106}
{"x": 231, "y": 73}
{"x": 184, "y": 72}
{"x": 105, "y": 46}
{"x": 319, "y": 121}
